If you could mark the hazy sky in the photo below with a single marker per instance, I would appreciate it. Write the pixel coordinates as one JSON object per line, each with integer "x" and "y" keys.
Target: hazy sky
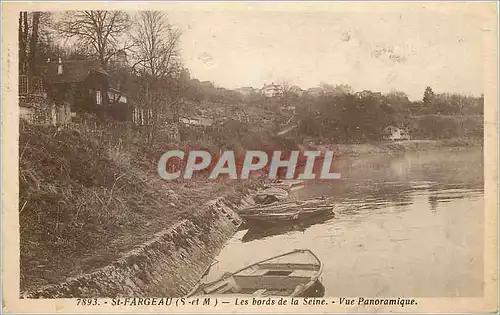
{"x": 380, "y": 50}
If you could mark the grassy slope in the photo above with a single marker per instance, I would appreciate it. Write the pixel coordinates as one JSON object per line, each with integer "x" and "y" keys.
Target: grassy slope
{"x": 84, "y": 199}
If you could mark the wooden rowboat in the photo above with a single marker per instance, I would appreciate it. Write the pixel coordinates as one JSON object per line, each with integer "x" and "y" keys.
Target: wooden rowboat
{"x": 286, "y": 212}
{"x": 290, "y": 274}
{"x": 294, "y": 214}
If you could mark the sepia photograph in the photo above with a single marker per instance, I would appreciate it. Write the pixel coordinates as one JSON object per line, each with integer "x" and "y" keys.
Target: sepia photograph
{"x": 250, "y": 157}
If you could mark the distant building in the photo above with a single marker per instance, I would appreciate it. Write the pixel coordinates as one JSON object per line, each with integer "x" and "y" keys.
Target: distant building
{"x": 296, "y": 90}
{"x": 339, "y": 89}
{"x": 366, "y": 93}
{"x": 272, "y": 90}
{"x": 316, "y": 91}
{"x": 396, "y": 133}
{"x": 197, "y": 121}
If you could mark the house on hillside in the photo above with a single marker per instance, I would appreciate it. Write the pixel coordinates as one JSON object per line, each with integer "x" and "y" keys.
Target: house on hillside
{"x": 367, "y": 93}
{"x": 82, "y": 83}
{"x": 272, "y": 90}
{"x": 85, "y": 85}
{"x": 395, "y": 133}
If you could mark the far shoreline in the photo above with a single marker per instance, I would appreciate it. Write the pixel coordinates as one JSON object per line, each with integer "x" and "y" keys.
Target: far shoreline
{"x": 399, "y": 146}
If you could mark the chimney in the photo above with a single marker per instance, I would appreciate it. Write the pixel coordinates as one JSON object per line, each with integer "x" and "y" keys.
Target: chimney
{"x": 60, "y": 67}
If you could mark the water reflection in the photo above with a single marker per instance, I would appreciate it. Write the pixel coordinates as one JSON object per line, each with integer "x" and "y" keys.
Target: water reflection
{"x": 261, "y": 232}
{"x": 407, "y": 225}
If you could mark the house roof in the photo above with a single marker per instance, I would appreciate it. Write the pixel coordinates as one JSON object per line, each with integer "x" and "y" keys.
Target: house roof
{"x": 73, "y": 70}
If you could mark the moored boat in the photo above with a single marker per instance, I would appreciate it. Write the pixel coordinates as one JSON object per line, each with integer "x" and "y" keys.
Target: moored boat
{"x": 294, "y": 214}
{"x": 286, "y": 212}
{"x": 290, "y": 274}
{"x": 270, "y": 195}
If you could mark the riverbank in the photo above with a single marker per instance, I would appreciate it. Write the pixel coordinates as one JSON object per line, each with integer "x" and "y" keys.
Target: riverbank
{"x": 396, "y": 147}
{"x": 169, "y": 264}
{"x": 85, "y": 200}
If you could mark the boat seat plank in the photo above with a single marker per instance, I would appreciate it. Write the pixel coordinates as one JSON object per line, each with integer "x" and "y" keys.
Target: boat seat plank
{"x": 282, "y": 275}
{"x": 253, "y": 272}
{"x": 285, "y": 266}
{"x": 295, "y": 258}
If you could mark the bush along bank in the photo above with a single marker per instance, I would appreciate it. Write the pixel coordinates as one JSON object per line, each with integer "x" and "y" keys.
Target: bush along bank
{"x": 168, "y": 265}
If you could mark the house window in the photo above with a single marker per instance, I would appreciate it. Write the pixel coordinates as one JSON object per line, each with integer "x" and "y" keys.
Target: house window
{"x": 98, "y": 97}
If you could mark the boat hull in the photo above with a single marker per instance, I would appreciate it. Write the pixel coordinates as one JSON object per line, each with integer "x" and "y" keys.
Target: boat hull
{"x": 287, "y": 217}
{"x": 292, "y": 274}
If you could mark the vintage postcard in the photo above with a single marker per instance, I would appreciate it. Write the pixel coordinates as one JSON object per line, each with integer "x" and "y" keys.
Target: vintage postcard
{"x": 250, "y": 157}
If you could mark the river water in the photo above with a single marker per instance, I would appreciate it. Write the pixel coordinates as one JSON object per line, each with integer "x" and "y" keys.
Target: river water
{"x": 406, "y": 225}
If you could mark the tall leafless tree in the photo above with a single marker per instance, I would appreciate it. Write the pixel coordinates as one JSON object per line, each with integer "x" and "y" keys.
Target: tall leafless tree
{"x": 156, "y": 55}
{"x": 29, "y": 34}
{"x": 100, "y": 31}
{"x": 34, "y": 42}
{"x": 285, "y": 87}
{"x": 156, "y": 42}
{"x": 23, "y": 41}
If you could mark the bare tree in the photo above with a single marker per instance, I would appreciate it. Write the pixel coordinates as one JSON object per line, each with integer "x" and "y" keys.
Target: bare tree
{"x": 34, "y": 42}
{"x": 156, "y": 45}
{"x": 156, "y": 54}
{"x": 30, "y": 26}
{"x": 23, "y": 41}
{"x": 99, "y": 31}
{"x": 285, "y": 87}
